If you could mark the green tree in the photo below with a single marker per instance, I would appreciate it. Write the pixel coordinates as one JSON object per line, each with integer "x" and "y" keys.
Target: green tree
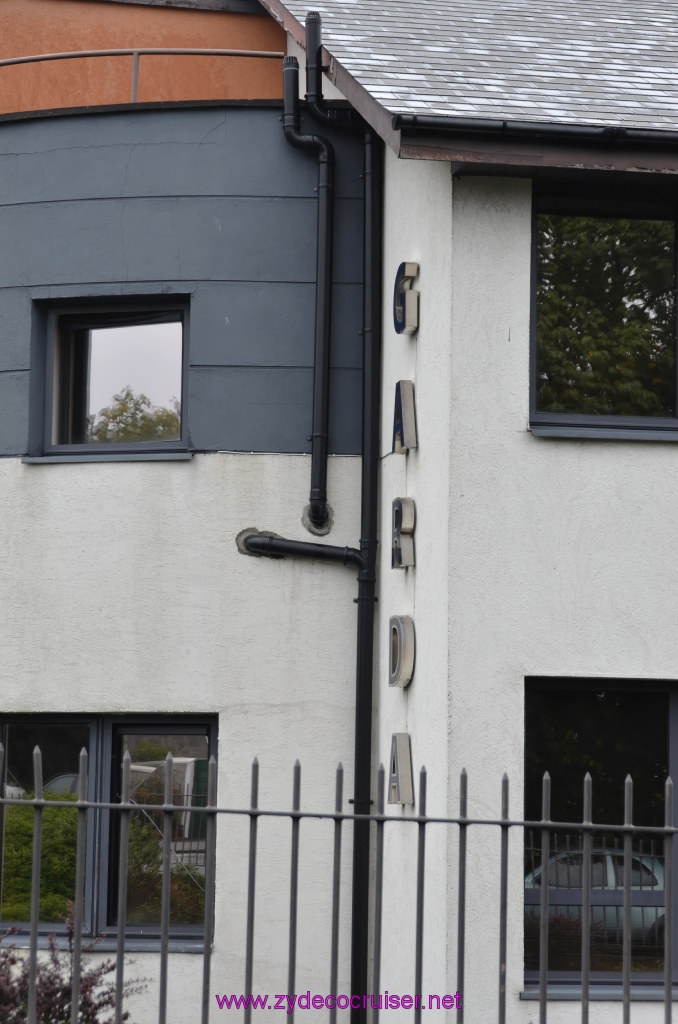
{"x": 605, "y": 316}
{"x": 133, "y": 417}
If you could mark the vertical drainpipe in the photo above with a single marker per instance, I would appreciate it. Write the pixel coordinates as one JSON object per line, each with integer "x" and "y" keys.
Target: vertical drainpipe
{"x": 318, "y": 512}
{"x": 372, "y": 234}
{"x": 372, "y": 238}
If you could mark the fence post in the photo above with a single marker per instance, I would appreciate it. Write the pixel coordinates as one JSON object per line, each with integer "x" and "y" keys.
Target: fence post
{"x": 587, "y": 819}
{"x": 461, "y": 899}
{"x": 503, "y": 897}
{"x": 210, "y": 875}
{"x": 79, "y": 886}
{"x": 421, "y": 858}
{"x": 294, "y": 875}
{"x": 125, "y": 811}
{"x": 166, "y": 878}
{"x": 626, "y": 947}
{"x": 544, "y": 904}
{"x": 378, "y": 890}
{"x": 668, "y": 901}
{"x": 251, "y": 881}
{"x": 35, "y": 888}
{"x": 336, "y": 888}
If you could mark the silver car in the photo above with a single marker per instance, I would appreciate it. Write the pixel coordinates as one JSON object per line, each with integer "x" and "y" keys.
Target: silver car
{"x": 607, "y": 892}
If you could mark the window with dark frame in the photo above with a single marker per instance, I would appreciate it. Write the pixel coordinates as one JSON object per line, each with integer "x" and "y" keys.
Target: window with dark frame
{"x": 115, "y": 379}
{"x": 611, "y": 729}
{"x": 191, "y": 742}
{"x": 604, "y": 313}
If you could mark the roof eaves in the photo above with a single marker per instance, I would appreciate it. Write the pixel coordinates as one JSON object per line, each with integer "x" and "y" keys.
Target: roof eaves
{"x": 477, "y": 142}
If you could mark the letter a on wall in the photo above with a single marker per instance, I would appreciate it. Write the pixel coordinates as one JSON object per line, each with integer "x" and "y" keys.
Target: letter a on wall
{"x": 400, "y": 781}
{"x": 404, "y": 418}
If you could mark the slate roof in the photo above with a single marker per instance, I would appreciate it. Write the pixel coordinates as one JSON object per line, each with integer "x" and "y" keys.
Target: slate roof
{"x": 580, "y": 62}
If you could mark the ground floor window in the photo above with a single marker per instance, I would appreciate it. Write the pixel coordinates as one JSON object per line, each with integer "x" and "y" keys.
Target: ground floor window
{"x": 611, "y": 729}
{"x": 190, "y": 740}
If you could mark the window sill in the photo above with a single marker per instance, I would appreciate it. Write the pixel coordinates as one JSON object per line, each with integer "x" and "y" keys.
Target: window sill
{"x": 604, "y": 433}
{"x": 108, "y": 943}
{"x": 649, "y": 992}
{"x": 156, "y": 456}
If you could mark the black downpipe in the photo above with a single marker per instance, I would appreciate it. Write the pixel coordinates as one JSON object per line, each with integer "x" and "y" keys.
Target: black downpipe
{"x": 372, "y": 234}
{"x": 372, "y": 178}
{"x": 318, "y": 510}
{"x": 339, "y": 117}
{"x": 366, "y": 557}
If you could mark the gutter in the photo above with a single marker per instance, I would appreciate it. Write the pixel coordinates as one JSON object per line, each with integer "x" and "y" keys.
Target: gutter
{"x": 609, "y": 134}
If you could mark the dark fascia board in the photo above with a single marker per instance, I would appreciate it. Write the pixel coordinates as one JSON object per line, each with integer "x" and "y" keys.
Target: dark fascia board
{"x": 230, "y": 6}
{"x": 490, "y": 153}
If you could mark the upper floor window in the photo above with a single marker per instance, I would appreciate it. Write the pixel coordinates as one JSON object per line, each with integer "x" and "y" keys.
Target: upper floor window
{"x": 115, "y": 379}
{"x": 604, "y": 317}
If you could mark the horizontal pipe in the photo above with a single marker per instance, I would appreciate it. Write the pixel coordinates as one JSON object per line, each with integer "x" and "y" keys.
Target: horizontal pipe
{"x": 176, "y": 50}
{"x": 278, "y": 547}
{"x": 600, "y": 133}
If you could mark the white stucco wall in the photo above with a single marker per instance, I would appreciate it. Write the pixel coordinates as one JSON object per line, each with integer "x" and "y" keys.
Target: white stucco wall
{"x": 534, "y": 557}
{"x": 418, "y": 228}
{"x": 559, "y": 550}
{"x": 123, "y": 591}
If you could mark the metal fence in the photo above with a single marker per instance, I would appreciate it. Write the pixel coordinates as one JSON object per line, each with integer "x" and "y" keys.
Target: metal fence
{"x": 597, "y": 898}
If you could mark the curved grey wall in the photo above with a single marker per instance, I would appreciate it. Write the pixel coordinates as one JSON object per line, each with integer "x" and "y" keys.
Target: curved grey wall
{"x": 209, "y": 202}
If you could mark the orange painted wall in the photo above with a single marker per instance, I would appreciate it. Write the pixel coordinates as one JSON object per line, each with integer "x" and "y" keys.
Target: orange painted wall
{"x": 48, "y": 26}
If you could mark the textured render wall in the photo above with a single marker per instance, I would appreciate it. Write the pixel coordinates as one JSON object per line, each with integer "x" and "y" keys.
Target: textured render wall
{"x": 123, "y": 592}
{"x": 560, "y": 556}
{"x": 534, "y": 557}
{"x": 418, "y": 228}
{"x": 207, "y": 202}
{"x": 121, "y": 585}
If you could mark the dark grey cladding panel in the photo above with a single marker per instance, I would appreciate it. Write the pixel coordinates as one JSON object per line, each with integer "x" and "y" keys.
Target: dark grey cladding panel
{"x": 222, "y": 239}
{"x": 159, "y": 240}
{"x": 207, "y": 202}
{"x": 14, "y": 388}
{"x": 193, "y": 152}
{"x": 253, "y": 323}
{"x": 268, "y": 410}
{"x": 346, "y": 412}
{"x": 15, "y": 338}
{"x": 250, "y": 409}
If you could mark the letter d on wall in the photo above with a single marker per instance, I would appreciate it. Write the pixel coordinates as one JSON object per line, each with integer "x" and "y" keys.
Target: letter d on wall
{"x": 401, "y": 650}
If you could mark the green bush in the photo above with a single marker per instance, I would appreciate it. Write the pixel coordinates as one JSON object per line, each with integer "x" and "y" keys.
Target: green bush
{"x": 57, "y": 875}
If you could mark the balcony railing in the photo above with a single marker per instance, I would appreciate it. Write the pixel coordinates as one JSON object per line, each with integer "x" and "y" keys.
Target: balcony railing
{"x": 139, "y": 52}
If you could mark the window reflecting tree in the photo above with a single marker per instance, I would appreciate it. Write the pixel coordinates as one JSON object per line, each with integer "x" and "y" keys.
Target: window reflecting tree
{"x": 605, "y": 316}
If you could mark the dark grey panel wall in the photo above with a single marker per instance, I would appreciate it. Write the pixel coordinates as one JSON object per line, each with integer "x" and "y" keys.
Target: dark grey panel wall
{"x": 209, "y": 202}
